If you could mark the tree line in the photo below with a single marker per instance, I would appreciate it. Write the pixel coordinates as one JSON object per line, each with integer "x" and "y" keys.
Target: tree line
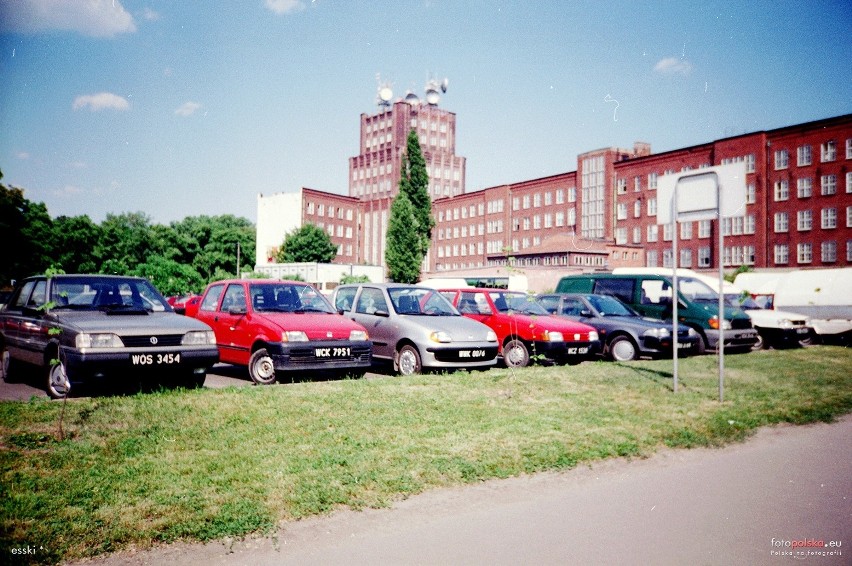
{"x": 178, "y": 258}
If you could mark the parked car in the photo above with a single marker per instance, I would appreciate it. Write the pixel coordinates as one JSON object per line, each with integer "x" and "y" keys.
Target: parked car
{"x": 651, "y": 295}
{"x": 416, "y": 327}
{"x": 524, "y": 329}
{"x": 77, "y": 328}
{"x": 178, "y": 302}
{"x": 625, "y": 334}
{"x": 282, "y": 326}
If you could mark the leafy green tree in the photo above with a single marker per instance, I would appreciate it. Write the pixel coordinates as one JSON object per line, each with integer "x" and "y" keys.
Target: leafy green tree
{"x": 310, "y": 243}
{"x": 345, "y": 278}
{"x": 74, "y": 238}
{"x": 402, "y": 253}
{"x": 169, "y": 276}
{"x": 209, "y": 244}
{"x": 26, "y": 233}
{"x": 126, "y": 241}
{"x": 414, "y": 182}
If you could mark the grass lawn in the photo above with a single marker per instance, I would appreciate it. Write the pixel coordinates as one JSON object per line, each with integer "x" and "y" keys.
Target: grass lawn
{"x": 204, "y": 464}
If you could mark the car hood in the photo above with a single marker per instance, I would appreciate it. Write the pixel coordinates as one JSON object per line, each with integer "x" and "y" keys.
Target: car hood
{"x": 548, "y": 322}
{"x": 461, "y": 328}
{"x": 317, "y": 326}
{"x": 772, "y": 318}
{"x": 151, "y": 323}
{"x": 639, "y": 321}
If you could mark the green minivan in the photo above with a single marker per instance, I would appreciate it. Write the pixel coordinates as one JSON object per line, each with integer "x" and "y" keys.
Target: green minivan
{"x": 651, "y": 295}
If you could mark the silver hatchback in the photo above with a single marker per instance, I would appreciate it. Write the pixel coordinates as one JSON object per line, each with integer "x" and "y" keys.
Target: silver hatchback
{"x": 416, "y": 327}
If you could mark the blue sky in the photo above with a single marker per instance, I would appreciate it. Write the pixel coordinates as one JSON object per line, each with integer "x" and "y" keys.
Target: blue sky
{"x": 178, "y": 109}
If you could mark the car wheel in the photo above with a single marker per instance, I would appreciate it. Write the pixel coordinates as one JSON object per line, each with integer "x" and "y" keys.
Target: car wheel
{"x": 761, "y": 343}
{"x": 261, "y": 368}
{"x": 58, "y": 384}
{"x": 192, "y": 380}
{"x": 622, "y": 349}
{"x": 701, "y": 347}
{"x": 515, "y": 354}
{"x": 408, "y": 360}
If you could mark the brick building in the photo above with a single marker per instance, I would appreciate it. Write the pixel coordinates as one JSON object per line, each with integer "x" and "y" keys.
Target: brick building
{"x": 602, "y": 214}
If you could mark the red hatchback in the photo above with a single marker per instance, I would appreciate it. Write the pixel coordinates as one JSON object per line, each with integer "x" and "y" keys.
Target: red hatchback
{"x": 271, "y": 326}
{"x": 524, "y": 329}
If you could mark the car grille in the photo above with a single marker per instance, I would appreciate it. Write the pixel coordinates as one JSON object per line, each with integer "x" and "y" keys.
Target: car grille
{"x": 149, "y": 340}
{"x": 741, "y": 323}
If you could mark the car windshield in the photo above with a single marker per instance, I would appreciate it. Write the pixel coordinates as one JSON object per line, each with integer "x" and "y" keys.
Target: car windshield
{"x": 288, "y": 297}
{"x": 420, "y": 301}
{"x": 517, "y": 302}
{"x": 110, "y": 294}
{"x": 744, "y": 302}
{"x": 609, "y": 306}
{"x": 696, "y": 290}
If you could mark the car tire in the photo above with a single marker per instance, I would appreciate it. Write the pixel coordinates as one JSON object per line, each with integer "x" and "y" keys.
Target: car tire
{"x": 701, "y": 348}
{"x": 261, "y": 368}
{"x": 516, "y": 354}
{"x": 623, "y": 349}
{"x": 192, "y": 380}
{"x": 761, "y": 344}
{"x": 58, "y": 384}
{"x": 408, "y": 360}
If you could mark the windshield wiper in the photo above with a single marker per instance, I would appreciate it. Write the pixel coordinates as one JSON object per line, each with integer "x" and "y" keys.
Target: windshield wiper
{"x": 123, "y": 309}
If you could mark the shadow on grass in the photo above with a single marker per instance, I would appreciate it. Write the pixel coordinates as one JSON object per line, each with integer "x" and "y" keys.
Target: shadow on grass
{"x": 657, "y": 376}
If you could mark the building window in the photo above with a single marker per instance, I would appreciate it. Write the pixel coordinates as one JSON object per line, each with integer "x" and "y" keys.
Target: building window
{"x": 621, "y": 186}
{"x": 849, "y": 216}
{"x": 668, "y": 231}
{"x": 828, "y": 151}
{"x": 637, "y": 235}
{"x": 572, "y": 194}
{"x": 594, "y": 194}
{"x": 782, "y": 222}
{"x": 686, "y": 231}
{"x": 652, "y": 258}
{"x": 667, "y": 258}
{"x": 637, "y": 208}
{"x": 805, "y": 220}
{"x": 804, "y": 253}
{"x": 704, "y": 228}
{"x": 828, "y": 251}
{"x": 749, "y": 227}
{"x": 804, "y": 187}
{"x": 749, "y": 160}
{"x": 560, "y": 219}
{"x": 621, "y": 211}
{"x": 526, "y": 202}
{"x": 751, "y": 194}
{"x": 737, "y": 225}
{"x": 828, "y": 218}
{"x": 537, "y": 200}
{"x": 782, "y": 158}
{"x": 652, "y": 181}
{"x": 653, "y": 231}
{"x": 704, "y": 256}
{"x": 621, "y": 236}
{"x": 848, "y": 250}
{"x": 828, "y": 184}
{"x": 560, "y": 196}
{"x": 652, "y": 207}
{"x": 782, "y": 253}
{"x": 782, "y": 190}
{"x": 686, "y": 258}
{"x": 548, "y": 198}
{"x": 848, "y": 148}
{"x": 803, "y": 155}
{"x": 637, "y": 184}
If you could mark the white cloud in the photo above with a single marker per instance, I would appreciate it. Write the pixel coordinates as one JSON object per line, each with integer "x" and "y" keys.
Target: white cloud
{"x": 673, "y": 66}
{"x": 101, "y": 101}
{"x": 150, "y": 15}
{"x": 187, "y": 109}
{"x": 95, "y": 18}
{"x": 22, "y": 155}
{"x": 281, "y": 7}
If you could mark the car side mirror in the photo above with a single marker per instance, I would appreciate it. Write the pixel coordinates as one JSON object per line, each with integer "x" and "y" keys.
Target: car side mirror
{"x": 382, "y": 313}
{"x": 585, "y": 313}
{"x": 237, "y": 310}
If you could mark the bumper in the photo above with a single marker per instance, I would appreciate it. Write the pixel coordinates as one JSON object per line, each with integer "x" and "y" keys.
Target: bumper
{"x": 741, "y": 338}
{"x": 785, "y": 336}
{"x": 98, "y": 364}
{"x": 328, "y": 355}
{"x": 651, "y": 346}
{"x": 578, "y": 351}
{"x": 470, "y": 355}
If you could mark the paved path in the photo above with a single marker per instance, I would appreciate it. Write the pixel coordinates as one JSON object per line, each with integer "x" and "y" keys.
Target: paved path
{"x": 737, "y": 505}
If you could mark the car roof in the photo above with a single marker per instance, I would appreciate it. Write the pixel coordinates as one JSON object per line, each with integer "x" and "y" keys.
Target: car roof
{"x": 261, "y": 281}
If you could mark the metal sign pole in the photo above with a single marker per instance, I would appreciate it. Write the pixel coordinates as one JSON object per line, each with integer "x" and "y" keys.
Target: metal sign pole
{"x": 674, "y": 287}
{"x": 721, "y": 347}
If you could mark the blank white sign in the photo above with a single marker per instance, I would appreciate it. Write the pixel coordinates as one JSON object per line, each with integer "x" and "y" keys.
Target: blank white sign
{"x": 698, "y": 192}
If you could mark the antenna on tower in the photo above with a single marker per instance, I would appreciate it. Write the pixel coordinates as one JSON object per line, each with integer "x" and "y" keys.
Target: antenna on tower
{"x": 384, "y": 94}
{"x": 434, "y": 88}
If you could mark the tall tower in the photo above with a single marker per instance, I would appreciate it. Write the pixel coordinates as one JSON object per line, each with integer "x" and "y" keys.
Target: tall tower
{"x": 374, "y": 173}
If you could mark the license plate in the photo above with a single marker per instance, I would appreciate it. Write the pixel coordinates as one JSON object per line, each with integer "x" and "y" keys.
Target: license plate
{"x": 802, "y": 330}
{"x": 683, "y": 345}
{"x": 583, "y": 350}
{"x": 471, "y": 354}
{"x": 154, "y": 359}
{"x": 332, "y": 352}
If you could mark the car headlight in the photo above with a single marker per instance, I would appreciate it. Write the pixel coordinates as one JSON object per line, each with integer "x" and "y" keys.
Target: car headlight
{"x": 785, "y": 323}
{"x": 199, "y": 338}
{"x": 593, "y": 335}
{"x": 105, "y": 340}
{"x": 491, "y": 336}
{"x": 294, "y": 336}
{"x": 551, "y": 336}
{"x": 358, "y": 335}
{"x": 441, "y": 337}
{"x": 691, "y": 332}
{"x": 714, "y": 323}
{"x": 657, "y": 332}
